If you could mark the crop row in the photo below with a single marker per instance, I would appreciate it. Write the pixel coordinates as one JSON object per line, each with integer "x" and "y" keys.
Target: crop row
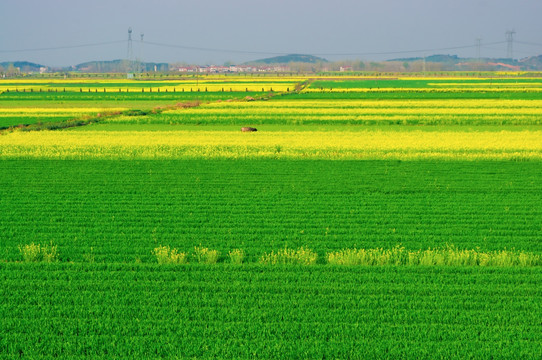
{"x": 104, "y": 81}
{"x": 339, "y": 145}
{"x": 142, "y": 311}
{"x": 396, "y": 256}
{"x": 454, "y": 90}
{"x": 130, "y": 86}
{"x": 427, "y": 83}
{"x": 338, "y": 119}
{"x": 450, "y": 105}
{"x": 15, "y": 116}
{"x": 19, "y": 99}
{"x": 471, "y": 94}
{"x": 306, "y": 113}
{"x": 31, "y": 108}
{"x": 230, "y": 88}
{"x": 338, "y": 112}
{"x": 120, "y": 211}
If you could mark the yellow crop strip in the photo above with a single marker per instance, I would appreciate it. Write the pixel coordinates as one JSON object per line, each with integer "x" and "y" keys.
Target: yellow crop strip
{"x": 495, "y": 89}
{"x": 231, "y": 87}
{"x": 458, "y": 145}
{"x": 63, "y": 110}
{"x": 365, "y": 110}
{"x": 426, "y": 111}
{"x": 201, "y": 83}
{"x": 396, "y": 103}
{"x": 485, "y": 84}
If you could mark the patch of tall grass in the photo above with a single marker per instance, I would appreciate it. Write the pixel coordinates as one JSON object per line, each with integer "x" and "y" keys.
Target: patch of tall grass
{"x": 368, "y": 257}
{"x": 39, "y": 253}
{"x": 166, "y": 255}
{"x": 449, "y": 256}
{"x": 300, "y": 256}
{"x": 237, "y": 256}
{"x": 205, "y": 255}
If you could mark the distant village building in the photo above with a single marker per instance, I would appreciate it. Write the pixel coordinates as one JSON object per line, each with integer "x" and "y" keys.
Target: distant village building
{"x": 218, "y": 69}
{"x": 187, "y": 69}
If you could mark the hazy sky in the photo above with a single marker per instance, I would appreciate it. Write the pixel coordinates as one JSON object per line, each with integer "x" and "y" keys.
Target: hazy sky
{"x": 266, "y": 28}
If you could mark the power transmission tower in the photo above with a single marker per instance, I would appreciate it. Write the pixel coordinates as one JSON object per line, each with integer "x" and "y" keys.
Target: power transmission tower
{"x": 141, "y": 64}
{"x": 510, "y": 44}
{"x": 130, "y": 54}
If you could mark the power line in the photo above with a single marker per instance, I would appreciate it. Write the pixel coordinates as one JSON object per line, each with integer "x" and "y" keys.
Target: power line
{"x": 316, "y": 53}
{"x": 323, "y": 54}
{"x": 63, "y": 47}
{"x": 528, "y": 43}
{"x": 410, "y": 51}
{"x": 185, "y": 47}
{"x": 222, "y": 50}
{"x": 515, "y": 51}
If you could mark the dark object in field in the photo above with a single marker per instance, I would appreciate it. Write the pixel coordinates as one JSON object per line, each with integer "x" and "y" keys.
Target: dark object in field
{"x": 248, "y": 129}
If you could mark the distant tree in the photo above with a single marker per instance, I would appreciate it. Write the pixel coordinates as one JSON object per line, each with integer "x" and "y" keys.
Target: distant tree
{"x": 375, "y": 65}
{"x": 434, "y": 66}
{"x": 125, "y": 66}
{"x": 12, "y": 70}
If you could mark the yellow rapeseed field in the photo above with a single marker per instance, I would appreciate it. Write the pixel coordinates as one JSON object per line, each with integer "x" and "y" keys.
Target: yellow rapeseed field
{"x": 360, "y": 107}
{"x": 494, "y": 104}
{"x": 53, "y": 111}
{"x": 440, "y": 111}
{"x": 365, "y": 144}
{"x": 449, "y": 89}
{"x": 208, "y": 83}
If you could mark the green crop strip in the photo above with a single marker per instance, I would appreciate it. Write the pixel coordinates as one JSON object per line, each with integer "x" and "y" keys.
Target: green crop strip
{"x": 125, "y": 209}
{"x": 279, "y": 312}
{"x": 232, "y": 245}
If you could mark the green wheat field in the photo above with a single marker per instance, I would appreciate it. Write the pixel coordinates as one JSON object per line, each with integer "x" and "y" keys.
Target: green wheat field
{"x": 367, "y": 218}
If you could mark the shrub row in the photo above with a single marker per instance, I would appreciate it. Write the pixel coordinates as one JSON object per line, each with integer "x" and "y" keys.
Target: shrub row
{"x": 396, "y": 256}
{"x": 450, "y": 256}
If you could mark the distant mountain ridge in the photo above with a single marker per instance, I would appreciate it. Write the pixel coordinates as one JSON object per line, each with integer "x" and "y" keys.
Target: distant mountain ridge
{"x": 443, "y": 63}
{"x": 533, "y": 63}
{"x": 119, "y": 66}
{"x": 291, "y": 58}
{"x": 24, "y": 66}
{"x": 96, "y": 66}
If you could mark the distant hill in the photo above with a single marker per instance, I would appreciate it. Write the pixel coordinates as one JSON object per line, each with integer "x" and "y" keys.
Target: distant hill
{"x": 453, "y": 62}
{"x": 531, "y": 63}
{"x": 437, "y": 62}
{"x": 434, "y": 58}
{"x": 24, "y": 66}
{"x": 118, "y": 66}
{"x": 292, "y": 58}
